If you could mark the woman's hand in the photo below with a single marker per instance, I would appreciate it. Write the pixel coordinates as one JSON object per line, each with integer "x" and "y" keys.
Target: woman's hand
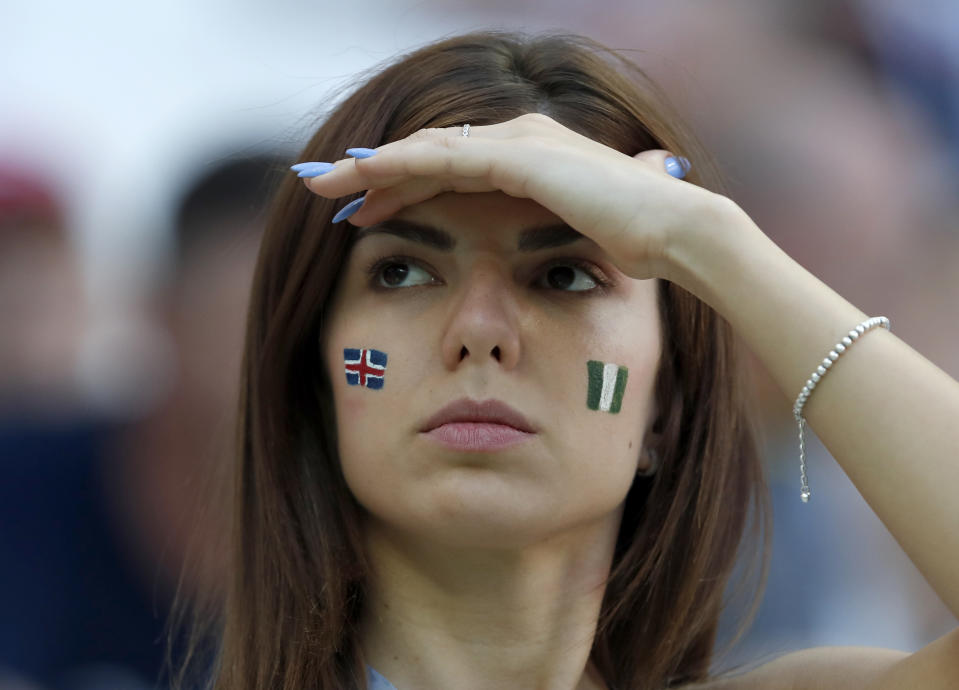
{"x": 629, "y": 206}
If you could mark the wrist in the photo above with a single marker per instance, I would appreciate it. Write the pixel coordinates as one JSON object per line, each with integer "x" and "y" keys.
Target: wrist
{"x": 704, "y": 257}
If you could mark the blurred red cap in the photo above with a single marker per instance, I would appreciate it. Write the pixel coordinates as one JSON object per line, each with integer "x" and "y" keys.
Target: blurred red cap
{"x": 26, "y": 197}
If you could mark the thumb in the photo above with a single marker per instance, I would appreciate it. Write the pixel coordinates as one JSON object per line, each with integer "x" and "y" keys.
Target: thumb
{"x": 661, "y": 160}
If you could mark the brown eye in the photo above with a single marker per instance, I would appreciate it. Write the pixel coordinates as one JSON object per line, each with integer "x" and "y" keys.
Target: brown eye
{"x": 393, "y": 272}
{"x": 570, "y": 278}
{"x": 561, "y": 277}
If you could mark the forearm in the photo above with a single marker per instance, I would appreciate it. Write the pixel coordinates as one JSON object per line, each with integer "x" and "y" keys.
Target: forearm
{"x": 888, "y": 415}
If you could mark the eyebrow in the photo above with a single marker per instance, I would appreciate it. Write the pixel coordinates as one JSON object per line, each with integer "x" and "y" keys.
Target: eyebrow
{"x": 530, "y": 239}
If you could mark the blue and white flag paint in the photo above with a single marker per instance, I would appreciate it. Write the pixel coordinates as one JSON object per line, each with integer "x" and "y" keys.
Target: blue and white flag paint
{"x": 364, "y": 367}
{"x": 607, "y": 382}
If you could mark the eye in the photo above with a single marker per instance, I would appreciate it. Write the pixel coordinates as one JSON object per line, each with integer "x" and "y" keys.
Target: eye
{"x": 568, "y": 275}
{"x": 393, "y": 272}
{"x": 574, "y": 276}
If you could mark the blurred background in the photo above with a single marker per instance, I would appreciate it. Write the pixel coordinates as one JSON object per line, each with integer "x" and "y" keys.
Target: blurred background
{"x": 139, "y": 144}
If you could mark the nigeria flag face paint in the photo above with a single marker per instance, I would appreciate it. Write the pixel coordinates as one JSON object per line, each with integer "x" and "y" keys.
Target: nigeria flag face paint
{"x": 607, "y": 382}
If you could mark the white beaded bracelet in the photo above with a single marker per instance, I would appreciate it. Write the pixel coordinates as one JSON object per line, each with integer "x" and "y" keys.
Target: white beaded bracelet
{"x": 820, "y": 372}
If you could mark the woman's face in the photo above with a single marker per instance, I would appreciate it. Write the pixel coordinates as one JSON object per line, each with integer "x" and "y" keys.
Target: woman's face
{"x": 483, "y": 319}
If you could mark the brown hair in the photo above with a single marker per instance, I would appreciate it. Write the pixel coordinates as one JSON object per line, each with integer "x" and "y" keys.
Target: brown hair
{"x": 297, "y": 571}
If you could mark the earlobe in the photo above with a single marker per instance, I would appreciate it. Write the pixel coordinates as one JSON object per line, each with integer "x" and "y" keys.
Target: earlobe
{"x": 650, "y": 457}
{"x": 652, "y": 462}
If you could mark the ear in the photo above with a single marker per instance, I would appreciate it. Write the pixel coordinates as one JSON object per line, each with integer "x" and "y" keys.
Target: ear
{"x": 651, "y": 456}
{"x": 649, "y": 462}
{"x": 652, "y": 440}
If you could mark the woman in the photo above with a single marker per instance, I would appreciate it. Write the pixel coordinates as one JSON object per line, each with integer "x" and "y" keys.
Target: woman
{"x": 493, "y": 430}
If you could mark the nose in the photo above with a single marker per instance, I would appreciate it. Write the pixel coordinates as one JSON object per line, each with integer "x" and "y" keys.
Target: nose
{"x": 484, "y": 322}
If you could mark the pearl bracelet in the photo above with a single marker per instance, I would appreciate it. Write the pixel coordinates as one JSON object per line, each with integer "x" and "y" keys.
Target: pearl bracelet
{"x": 820, "y": 372}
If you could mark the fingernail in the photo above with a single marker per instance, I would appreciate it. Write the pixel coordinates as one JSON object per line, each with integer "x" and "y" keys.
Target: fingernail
{"x": 315, "y": 169}
{"x": 301, "y": 166}
{"x": 677, "y": 167}
{"x": 361, "y": 152}
{"x": 349, "y": 209}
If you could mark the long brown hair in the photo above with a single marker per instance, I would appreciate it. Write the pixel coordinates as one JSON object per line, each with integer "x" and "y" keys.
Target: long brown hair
{"x": 287, "y": 617}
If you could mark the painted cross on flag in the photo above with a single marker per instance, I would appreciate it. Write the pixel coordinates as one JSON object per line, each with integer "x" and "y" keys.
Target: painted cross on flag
{"x": 364, "y": 367}
{"x": 607, "y": 382}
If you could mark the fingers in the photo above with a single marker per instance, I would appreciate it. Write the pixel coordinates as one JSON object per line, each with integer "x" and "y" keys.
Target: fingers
{"x": 383, "y": 202}
{"x": 420, "y": 159}
{"x": 424, "y": 164}
{"x": 347, "y": 178}
{"x": 419, "y": 171}
{"x": 661, "y": 160}
{"x": 531, "y": 156}
{"x": 439, "y": 152}
{"x": 377, "y": 168}
{"x": 440, "y": 157}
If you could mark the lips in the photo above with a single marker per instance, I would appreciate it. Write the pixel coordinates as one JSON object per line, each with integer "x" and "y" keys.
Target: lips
{"x": 466, "y": 410}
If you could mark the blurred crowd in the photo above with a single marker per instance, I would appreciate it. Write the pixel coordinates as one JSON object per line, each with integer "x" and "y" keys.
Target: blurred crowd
{"x": 837, "y": 125}
{"x": 97, "y": 503}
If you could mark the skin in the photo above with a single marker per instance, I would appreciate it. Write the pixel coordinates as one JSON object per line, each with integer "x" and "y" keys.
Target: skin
{"x": 490, "y": 566}
{"x": 447, "y": 586}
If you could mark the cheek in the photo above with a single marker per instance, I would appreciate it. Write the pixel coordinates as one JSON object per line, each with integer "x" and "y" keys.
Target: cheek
{"x": 601, "y": 447}
{"x": 370, "y": 388}
{"x": 358, "y": 411}
{"x": 363, "y": 377}
{"x": 613, "y": 405}
{"x": 611, "y": 393}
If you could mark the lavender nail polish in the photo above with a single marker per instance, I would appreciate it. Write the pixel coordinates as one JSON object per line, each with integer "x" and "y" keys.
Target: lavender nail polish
{"x": 300, "y": 166}
{"x": 316, "y": 169}
{"x": 349, "y": 209}
{"x": 361, "y": 152}
{"x": 677, "y": 167}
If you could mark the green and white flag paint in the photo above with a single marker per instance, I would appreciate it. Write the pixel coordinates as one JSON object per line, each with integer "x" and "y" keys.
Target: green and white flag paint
{"x": 607, "y": 381}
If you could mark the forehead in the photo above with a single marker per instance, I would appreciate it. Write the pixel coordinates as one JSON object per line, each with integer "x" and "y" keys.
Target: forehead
{"x": 452, "y": 220}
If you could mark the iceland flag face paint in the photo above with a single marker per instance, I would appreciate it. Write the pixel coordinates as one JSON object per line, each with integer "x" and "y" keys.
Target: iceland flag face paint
{"x": 364, "y": 367}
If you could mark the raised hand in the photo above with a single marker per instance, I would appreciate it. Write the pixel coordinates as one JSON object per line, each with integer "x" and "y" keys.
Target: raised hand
{"x": 630, "y": 206}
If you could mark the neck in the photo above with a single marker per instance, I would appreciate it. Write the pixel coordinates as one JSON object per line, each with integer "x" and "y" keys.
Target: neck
{"x": 441, "y": 616}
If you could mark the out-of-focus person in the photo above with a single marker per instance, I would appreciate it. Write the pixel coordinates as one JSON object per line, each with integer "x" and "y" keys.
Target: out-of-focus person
{"x": 41, "y": 300}
{"x": 94, "y": 512}
{"x": 157, "y": 465}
